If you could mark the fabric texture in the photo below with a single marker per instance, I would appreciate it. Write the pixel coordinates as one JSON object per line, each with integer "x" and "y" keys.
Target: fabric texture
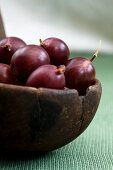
{"x": 93, "y": 149}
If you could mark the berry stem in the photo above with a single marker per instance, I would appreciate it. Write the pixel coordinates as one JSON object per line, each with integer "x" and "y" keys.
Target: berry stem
{"x": 41, "y": 42}
{"x": 7, "y": 47}
{"x": 96, "y": 53}
{"x": 61, "y": 69}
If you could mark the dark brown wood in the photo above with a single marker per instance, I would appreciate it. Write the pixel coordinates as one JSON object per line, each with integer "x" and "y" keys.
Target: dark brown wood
{"x": 2, "y": 29}
{"x": 43, "y": 119}
{"x": 90, "y": 104}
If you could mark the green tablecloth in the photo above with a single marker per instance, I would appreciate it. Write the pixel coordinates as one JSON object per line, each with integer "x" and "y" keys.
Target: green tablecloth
{"x": 93, "y": 150}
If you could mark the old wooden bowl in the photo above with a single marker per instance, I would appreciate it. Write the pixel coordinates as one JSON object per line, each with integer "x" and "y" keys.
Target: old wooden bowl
{"x": 43, "y": 119}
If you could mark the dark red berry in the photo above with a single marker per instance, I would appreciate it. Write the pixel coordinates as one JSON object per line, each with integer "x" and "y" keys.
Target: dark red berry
{"x": 8, "y": 46}
{"x": 48, "y": 76}
{"x": 25, "y": 60}
{"x": 57, "y": 50}
{"x": 6, "y": 75}
{"x": 80, "y": 74}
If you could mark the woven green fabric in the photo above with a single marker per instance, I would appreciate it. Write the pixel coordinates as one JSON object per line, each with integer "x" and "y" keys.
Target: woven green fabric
{"x": 93, "y": 149}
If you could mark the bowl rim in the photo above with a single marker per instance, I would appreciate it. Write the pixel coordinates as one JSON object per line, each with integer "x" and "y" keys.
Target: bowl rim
{"x": 29, "y": 88}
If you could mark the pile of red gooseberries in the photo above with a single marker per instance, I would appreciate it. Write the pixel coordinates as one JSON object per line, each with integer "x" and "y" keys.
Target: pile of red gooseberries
{"x": 45, "y": 65}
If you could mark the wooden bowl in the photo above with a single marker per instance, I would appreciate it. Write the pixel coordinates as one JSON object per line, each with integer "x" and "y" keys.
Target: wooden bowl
{"x": 43, "y": 119}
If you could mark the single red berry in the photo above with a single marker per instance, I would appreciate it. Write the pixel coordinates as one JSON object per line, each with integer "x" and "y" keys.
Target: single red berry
{"x": 8, "y": 46}
{"x": 48, "y": 76}
{"x": 80, "y": 74}
{"x": 6, "y": 75}
{"x": 25, "y": 60}
{"x": 57, "y": 50}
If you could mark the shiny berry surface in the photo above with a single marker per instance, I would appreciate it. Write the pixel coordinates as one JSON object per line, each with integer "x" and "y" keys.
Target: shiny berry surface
{"x": 57, "y": 50}
{"x": 8, "y": 46}
{"x": 80, "y": 74}
{"x": 27, "y": 59}
{"x": 48, "y": 76}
